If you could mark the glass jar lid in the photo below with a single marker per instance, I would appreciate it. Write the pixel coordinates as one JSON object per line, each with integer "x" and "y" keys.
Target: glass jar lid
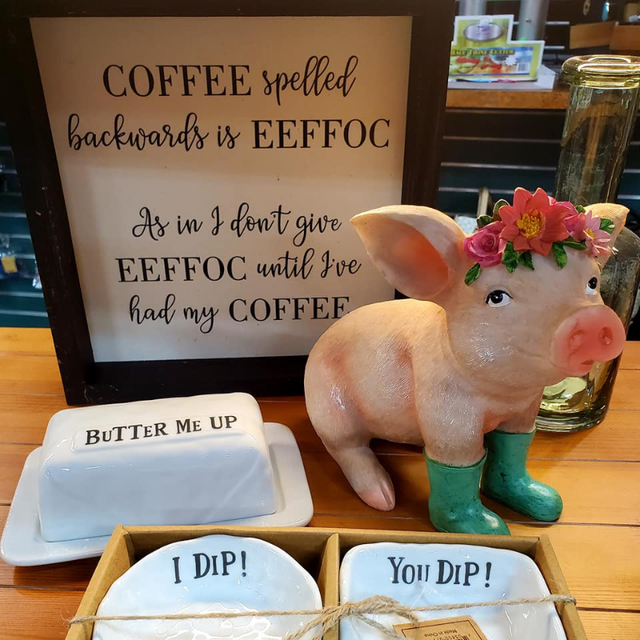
{"x": 606, "y": 71}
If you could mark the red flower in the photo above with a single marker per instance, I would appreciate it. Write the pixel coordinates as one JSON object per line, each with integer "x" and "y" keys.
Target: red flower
{"x": 483, "y": 246}
{"x": 534, "y": 221}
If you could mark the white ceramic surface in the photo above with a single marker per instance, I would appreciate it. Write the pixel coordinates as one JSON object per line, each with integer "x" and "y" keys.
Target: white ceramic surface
{"x": 215, "y": 574}
{"x": 23, "y": 545}
{"x": 425, "y": 574}
{"x": 154, "y": 462}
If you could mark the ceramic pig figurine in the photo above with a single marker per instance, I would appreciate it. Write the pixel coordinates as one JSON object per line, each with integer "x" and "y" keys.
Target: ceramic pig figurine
{"x": 460, "y": 367}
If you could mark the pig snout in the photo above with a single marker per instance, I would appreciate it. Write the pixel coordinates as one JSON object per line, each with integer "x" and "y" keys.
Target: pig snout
{"x": 590, "y": 334}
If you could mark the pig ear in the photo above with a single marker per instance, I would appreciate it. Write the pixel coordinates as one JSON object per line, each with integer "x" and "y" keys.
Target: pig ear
{"x": 418, "y": 250}
{"x": 614, "y": 212}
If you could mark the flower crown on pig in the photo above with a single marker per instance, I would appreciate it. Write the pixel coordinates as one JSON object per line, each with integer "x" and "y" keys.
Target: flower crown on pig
{"x": 534, "y": 223}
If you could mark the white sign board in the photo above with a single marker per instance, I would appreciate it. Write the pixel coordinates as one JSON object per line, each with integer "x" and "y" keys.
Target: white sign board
{"x": 210, "y": 167}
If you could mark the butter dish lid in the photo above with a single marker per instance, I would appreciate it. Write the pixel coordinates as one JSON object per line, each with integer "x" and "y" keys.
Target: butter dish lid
{"x": 165, "y": 420}
{"x": 180, "y": 461}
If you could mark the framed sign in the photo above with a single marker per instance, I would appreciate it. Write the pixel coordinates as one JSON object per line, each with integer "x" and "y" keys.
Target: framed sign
{"x": 189, "y": 170}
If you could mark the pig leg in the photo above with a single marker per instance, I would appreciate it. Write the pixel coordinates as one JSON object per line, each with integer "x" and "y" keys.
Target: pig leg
{"x": 455, "y": 465}
{"x": 506, "y": 479}
{"x": 338, "y": 421}
{"x": 366, "y": 475}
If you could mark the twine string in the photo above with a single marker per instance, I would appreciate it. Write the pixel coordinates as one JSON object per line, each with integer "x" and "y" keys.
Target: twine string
{"x": 331, "y": 616}
{"x": 328, "y": 617}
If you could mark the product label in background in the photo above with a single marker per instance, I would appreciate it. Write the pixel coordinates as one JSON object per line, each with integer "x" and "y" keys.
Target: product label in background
{"x": 482, "y": 49}
{"x": 9, "y": 264}
{"x": 460, "y": 628}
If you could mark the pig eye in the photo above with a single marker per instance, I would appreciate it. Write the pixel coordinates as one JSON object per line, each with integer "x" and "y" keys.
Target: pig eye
{"x": 498, "y": 298}
{"x": 592, "y": 286}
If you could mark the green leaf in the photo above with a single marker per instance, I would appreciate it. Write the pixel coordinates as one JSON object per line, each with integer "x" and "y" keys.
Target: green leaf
{"x": 496, "y": 208}
{"x": 510, "y": 258}
{"x": 473, "y": 274}
{"x": 526, "y": 259}
{"x": 580, "y": 208}
{"x": 607, "y": 225}
{"x": 574, "y": 244}
{"x": 483, "y": 221}
{"x": 559, "y": 254}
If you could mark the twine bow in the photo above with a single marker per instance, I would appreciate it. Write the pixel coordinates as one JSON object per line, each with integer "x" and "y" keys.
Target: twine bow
{"x": 328, "y": 617}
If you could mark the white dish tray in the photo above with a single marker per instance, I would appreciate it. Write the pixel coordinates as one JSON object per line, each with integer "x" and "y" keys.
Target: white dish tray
{"x": 22, "y": 544}
{"x": 419, "y": 575}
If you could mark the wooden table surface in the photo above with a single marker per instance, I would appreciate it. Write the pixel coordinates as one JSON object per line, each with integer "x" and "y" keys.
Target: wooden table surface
{"x": 597, "y": 472}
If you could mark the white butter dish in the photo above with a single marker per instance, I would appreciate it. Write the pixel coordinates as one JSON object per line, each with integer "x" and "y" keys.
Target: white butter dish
{"x": 22, "y": 543}
{"x": 171, "y": 461}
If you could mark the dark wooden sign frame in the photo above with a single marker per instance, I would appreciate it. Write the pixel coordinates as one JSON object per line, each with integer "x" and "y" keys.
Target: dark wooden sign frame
{"x": 86, "y": 381}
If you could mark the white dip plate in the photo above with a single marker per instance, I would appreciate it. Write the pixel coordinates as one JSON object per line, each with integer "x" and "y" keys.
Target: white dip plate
{"x": 430, "y": 574}
{"x": 23, "y": 545}
{"x": 213, "y": 574}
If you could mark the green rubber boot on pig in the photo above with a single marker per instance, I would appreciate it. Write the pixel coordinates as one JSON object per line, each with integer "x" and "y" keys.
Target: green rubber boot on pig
{"x": 506, "y": 479}
{"x": 454, "y": 505}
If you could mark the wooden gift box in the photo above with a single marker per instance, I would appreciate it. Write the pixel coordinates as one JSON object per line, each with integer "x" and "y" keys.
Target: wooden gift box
{"x": 319, "y": 551}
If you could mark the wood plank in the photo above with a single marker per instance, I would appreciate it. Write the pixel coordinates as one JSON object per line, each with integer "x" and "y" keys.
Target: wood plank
{"x": 604, "y": 576}
{"x": 41, "y": 616}
{"x": 625, "y": 392}
{"x": 491, "y": 99}
{"x": 597, "y": 563}
{"x": 626, "y": 39}
{"x": 26, "y": 373}
{"x": 12, "y": 457}
{"x": 24, "y": 419}
{"x": 39, "y": 342}
{"x": 72, "y": 576}
{"x": 582, "y": 466}
{"x": 32, "y": 341}
{"x": 631, "y": 356}
{"x": 610, "y": 578}
{"x": 46, "y": 620}
{"x": 593, "y": 492}
{"x": 30, "y": 375}
{"x": 599, "y": 575}
{"x": 597, "y": 34}
{"x": 610, "y": 625}
{"x": 614, "y": 439}
{"x": 36, "y": 614}
{"x": 604, "y": 494}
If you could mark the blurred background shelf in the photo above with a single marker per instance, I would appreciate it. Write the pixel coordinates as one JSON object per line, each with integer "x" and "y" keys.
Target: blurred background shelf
{"x": 492, "y": 99}
{"x": 496, "y": 139}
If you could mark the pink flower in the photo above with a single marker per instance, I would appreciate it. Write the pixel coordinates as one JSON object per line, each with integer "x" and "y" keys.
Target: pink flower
{"x": 534, "y": 221}
{"x": 483, "y": 246}
{"x": 564, "y": 203}
{"x": 586, "y": 226}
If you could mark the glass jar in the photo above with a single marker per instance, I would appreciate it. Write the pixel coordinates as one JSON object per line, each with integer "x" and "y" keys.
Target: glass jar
{"x": 603, "y": 104}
